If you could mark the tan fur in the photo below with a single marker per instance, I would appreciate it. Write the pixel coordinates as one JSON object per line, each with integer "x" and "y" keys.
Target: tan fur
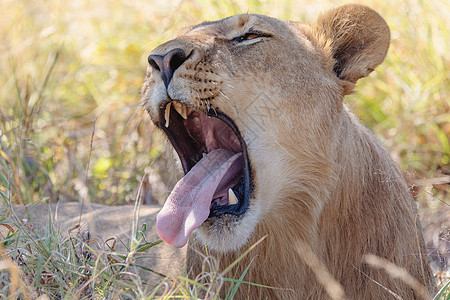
{"x": 321, "y": 178}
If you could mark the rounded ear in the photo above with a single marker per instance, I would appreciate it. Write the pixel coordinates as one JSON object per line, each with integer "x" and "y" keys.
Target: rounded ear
{"x": 356, "y": 36}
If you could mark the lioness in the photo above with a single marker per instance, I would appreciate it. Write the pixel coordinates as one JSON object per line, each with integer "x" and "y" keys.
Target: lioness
{"x": 254, "y": 108}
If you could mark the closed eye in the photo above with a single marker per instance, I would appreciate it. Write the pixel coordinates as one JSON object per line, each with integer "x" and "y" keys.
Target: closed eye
{"x": 250, "y": 36}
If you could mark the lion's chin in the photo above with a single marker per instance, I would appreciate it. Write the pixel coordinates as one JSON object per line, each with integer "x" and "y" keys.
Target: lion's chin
{"x": 227, "y": 233}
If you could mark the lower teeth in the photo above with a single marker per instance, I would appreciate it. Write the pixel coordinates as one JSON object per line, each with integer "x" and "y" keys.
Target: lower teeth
{"x": 232, "y": 199}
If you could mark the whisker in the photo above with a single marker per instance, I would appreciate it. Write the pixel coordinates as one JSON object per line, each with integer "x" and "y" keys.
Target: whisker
{"x": 220, "y": 99}
{"x": 139, "y": 122}
{"x": 215, "y": 112}
{"x": 132, "y": 117}
{"x": 224, "y": 95}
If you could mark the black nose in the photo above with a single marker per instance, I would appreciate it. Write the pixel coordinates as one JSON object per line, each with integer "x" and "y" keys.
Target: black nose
{"x": 168, "y": 63}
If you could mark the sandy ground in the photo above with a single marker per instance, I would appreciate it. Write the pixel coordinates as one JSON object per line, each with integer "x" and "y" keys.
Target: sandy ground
{"x": 101, "y": 223}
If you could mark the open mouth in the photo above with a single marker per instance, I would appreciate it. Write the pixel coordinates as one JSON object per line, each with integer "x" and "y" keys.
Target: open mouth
{"x": 216, "y": 166}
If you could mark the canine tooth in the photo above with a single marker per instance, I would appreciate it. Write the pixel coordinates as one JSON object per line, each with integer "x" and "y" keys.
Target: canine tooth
{"x": 232, "y": 199}
{"x": 167, "y": 113}
{"x": 184, "y": 114}
{"x": 181, "y": 109}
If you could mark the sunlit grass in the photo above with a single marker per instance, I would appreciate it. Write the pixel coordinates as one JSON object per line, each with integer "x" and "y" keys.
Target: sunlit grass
{"x": 65, "y": 64}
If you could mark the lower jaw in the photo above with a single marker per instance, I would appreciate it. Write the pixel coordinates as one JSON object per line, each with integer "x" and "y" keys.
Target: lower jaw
{"x": 225, "y": 233}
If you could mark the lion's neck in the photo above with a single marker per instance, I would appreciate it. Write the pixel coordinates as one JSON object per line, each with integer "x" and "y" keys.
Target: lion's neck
{"x": 340, "y": 213}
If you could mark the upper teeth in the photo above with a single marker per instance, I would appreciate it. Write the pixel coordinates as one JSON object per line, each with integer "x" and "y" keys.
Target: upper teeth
{"x": 167, "y": 113}
{"x": 180, "y": 108}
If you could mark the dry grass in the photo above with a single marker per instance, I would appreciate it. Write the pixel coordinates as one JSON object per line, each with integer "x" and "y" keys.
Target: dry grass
{"x": 66, "y": 64}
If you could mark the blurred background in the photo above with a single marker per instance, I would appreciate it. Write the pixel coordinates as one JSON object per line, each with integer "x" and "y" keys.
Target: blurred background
{"x": 71, "y": 122}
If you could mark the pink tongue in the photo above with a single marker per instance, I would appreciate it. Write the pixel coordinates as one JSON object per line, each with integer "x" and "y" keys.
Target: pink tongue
{"x": 188, "y": 205}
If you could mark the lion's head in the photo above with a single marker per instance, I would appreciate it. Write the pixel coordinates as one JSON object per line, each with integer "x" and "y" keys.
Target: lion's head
{"x": 254, "y": 109}
{"x": 252, "y": 106}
